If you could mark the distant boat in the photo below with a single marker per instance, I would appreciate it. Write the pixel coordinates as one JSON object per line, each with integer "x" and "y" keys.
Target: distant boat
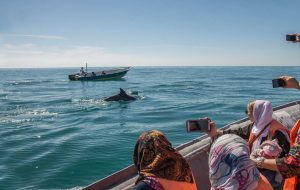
{"x": 100, "y": 75}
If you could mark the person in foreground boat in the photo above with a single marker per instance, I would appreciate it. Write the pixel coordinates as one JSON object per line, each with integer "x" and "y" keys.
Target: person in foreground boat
{"x": 159, "y": 165}
{"x": 288, "y": 166}
{"x": 230, "y": 166}
{"x": 264, "y": 128}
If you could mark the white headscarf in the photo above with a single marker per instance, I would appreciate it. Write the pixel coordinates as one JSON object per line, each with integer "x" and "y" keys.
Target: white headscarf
{"x": 262, "y": 113}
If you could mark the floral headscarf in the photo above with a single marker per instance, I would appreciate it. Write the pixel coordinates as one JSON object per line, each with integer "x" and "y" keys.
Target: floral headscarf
{"x": 154, "y": 157}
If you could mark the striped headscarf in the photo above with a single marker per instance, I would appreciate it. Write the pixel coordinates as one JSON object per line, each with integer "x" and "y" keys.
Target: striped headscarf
{"x": 230, "y": 166}
{"x": 154, "y": 157}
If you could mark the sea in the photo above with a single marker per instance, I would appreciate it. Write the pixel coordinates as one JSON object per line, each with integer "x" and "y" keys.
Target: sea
{"x": 61, "y": 134}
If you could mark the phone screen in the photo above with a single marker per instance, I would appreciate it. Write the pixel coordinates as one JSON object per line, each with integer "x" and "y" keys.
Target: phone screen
{"x": 197, "y": 125}
{"x": 278, "y": 83}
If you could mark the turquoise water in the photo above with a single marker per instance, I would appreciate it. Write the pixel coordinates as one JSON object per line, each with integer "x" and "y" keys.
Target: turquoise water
{"x": 60, "y": 134}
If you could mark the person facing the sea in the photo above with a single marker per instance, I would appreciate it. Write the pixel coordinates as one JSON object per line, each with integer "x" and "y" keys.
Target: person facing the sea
{"x": 264, "y": 128}
{"x": 289, "y": 165}
{"x": 160, "y": 167}
{"x": 230, "y": 166}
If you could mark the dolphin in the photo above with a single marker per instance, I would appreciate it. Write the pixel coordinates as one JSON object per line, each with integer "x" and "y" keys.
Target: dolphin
{"x": 122, "y": 96}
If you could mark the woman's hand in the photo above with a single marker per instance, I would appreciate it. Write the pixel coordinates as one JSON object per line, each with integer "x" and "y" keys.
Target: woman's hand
{"x": 290, "y": 82}
{"x": 214, "y": 131}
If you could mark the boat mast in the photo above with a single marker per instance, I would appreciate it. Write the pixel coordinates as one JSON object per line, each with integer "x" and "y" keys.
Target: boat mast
{"x": 86, "y": 67}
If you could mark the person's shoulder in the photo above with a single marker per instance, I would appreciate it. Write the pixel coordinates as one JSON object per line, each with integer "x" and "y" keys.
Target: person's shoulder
{"x": 142, "y": 186}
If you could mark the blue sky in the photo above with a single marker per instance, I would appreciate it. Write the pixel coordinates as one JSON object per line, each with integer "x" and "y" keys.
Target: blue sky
{"x": 68, "y": 33}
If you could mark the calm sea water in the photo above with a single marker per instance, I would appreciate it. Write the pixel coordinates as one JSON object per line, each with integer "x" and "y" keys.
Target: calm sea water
{"x": 60, "y": 134}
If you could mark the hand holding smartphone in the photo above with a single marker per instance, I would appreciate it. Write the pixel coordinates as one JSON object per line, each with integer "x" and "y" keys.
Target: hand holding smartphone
{"x": 278, "y": 83}
{"x": 197, "y": 125}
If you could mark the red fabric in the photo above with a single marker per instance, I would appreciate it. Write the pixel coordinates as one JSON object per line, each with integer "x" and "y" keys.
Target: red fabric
{"x": 291, "y": 183}
{"x": 251, "y": 140}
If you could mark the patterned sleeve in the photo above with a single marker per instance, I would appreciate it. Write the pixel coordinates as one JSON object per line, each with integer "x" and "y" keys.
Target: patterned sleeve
{"x": 289, "y": 166}
{"x": 240, "y": 132}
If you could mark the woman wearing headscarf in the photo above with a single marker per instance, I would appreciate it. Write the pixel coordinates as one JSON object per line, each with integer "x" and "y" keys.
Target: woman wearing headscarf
{"x": 160, "y": 167}
{"x": 289, "y": 165}
{"x": 230, "y": 166}
{"x": 265, "y": 127}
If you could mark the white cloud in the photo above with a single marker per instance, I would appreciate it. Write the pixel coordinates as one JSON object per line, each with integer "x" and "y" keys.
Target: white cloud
{"x": 33, "y": 56}
{"x": 46, "y": 37}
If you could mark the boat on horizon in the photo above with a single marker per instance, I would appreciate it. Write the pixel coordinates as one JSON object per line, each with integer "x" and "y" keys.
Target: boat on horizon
{"x": 196, "y": 153}
{"x": 108, "y": 74}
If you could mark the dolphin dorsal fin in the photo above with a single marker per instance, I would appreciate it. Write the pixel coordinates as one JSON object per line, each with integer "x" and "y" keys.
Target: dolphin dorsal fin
{"x": 122, "y": 91}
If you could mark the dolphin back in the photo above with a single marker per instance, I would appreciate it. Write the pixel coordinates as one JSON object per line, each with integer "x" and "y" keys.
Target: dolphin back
{"x": 121, "y": 96}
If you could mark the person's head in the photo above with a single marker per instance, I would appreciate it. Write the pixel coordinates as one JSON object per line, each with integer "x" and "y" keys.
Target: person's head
{"x": 154, "y": 157}
{"x": 260, "y": 112}
{"x": 249, "y": 110}
{"x": 230, "y": 166}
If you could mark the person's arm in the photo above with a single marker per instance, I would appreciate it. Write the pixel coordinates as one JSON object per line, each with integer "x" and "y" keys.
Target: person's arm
{"x": 290, "y": 82}
{"x": 240, "y": 132}
{"x": 288, "y": 166}
{"x": 269, "y": 164}
{"x": 214, "y": 132}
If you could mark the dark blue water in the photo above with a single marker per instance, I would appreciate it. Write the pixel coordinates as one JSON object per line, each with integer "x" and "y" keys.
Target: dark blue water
{"x": 59, "y": 134}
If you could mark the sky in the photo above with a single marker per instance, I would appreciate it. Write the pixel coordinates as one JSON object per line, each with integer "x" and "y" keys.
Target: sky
{"x": 111, "y": 33}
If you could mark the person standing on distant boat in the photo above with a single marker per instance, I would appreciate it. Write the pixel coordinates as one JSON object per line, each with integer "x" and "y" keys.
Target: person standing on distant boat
{"x": 82, "y": 71}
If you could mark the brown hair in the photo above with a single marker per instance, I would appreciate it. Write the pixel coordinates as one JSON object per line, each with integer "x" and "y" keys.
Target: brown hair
{"x": 250, "y": 107}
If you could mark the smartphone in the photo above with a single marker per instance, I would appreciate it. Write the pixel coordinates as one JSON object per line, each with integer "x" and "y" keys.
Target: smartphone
{"x": 197, "y": 125}
{"x": 291, "y": 37}
{"x": 278, "y": 83}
